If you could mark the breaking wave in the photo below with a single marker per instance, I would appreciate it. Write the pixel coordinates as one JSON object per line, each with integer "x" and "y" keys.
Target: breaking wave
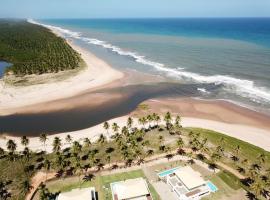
{"x": 242, "y": 87}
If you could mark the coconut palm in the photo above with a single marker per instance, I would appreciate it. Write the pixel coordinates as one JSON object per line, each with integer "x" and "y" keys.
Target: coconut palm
{"x": 101, "y": 139}
{"x": 43, "y": 138}
{"x": 11, "y": 146}
{"x": 78, "y": 168}
{"x": 26, "y": 187}
{"x": 150, "y": 152}
{"x": 86, "y": 142}
{"x": 168, "y": 118}
{"x": 156, "y": 118}
{"x": 57, "y": 144}
{"x": 2, "y": 151}
{"x": 178, "y": 121}
{"x": 115, "y": 127}
{"x": 129, "y": 122}
{"x": 24, "y": 141}
{"x": 180, "y": 143}
{"x": 257, "y": 188}
{"x": 26, "y": 153}
{"x": 106, "y": 126}
{"x": 47, "y": 166}
{"x": 142, "y": 121}
{"x": 76, "y": 148}
{"x": 68, "y": 139}
{"x": 149, "y": 119}
{"x": 261, "y": 158}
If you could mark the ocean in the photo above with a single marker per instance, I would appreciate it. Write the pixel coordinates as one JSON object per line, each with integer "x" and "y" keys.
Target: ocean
{"x": 232, "y": 53}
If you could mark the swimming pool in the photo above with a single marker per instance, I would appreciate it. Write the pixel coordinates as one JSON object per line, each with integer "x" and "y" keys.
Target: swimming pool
{"x": 211, "y": 186}
{"x": 167, "y": 172}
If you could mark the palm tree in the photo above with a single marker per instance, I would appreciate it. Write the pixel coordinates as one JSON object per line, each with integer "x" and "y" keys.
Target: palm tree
{"x": 156, "y": 118}
{"x": 101, "y": 139}
{"x": 68, "y": 139}
{"x": 257, "y": 188}
{"x": 129, "y": 122}
{"x": 86, "y": 142}
{"x": 178, "y": 121}
{"x": 26, "y": 153}
{"x": 43, "y": 138}
{"x": 167, "y": 119}
{"x": 26, "y": 187}
{"x": 2, "y": 151}
{"x": 142, "y": 121}
{"x": 24, "y": 141}
{"x": 76, "y": 148}
{"x": 115, "y": 127}
{"x": 11, "y": 146}
{"x": 78, "y": 169}
{"x": 149, "y": 119}
{"x": 106, "y": 126}
{"x": 150, "y": 152}
{"x": 57, "y": 144}
{"x": 261, "y": 158}
{"x": 180, "y": 143}
{"x": 47, "y": 166}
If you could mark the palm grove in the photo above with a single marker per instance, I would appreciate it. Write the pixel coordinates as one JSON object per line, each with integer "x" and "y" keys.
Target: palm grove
{"x": 131, "y": 145}
{"x": 33, "y": 49}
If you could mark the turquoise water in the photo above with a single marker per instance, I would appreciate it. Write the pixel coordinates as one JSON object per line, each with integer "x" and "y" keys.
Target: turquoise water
{"x": 232, "y": 53}
{"x": 211, "y": 186}
{"x": 167, "y": 172}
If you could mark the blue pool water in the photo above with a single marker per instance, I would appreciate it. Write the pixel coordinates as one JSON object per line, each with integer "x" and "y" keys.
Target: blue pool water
{"x": 167, "y": 172}
{"x": 211, "y": 186}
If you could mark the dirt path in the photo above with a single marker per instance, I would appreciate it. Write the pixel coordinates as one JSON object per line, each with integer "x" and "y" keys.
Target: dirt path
{"x": 37, "y": 180}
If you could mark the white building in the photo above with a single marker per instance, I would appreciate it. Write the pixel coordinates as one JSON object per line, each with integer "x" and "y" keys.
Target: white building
{"x": 132, "y": 189}
{"x": 187, "y": 183}
{"x": 78, "y": 194}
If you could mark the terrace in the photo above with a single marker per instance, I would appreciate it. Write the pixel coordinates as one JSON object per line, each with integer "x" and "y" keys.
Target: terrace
{"x": 187, "y": 183}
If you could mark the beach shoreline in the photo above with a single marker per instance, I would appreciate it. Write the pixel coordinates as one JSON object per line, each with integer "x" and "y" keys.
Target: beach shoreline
{"x": 97, "y": 73}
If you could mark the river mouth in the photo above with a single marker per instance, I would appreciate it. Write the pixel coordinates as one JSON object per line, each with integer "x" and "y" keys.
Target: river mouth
{"x": 116, "y": 102}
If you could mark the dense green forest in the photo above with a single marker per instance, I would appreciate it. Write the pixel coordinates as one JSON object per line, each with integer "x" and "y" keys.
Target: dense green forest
{"x": 33, "y": 49}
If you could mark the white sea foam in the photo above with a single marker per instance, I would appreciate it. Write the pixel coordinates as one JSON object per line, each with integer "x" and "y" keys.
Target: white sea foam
{"x": 244, "y": 88}
{"x": 203, "y": 90}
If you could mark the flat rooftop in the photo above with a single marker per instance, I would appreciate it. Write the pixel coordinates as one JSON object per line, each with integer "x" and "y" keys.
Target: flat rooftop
{"x": 190, "y": 178}
{"x": 76, "y": 194}
{"x": 131, "y": 189}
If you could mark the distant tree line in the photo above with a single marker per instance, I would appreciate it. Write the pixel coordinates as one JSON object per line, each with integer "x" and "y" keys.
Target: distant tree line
{"x": 33, "y": 49}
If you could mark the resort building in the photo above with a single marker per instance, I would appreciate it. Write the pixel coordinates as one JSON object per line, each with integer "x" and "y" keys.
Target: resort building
{"x": 76, "y": 194}
{"x": 187, "y": 183}
{"x": 132, "y": 189}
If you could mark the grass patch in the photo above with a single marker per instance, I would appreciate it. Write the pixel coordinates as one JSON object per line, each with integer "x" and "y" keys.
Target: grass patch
{"x": 101, "y": 183}
{"x": 230, "y": 180}
{"x": 247, "y": 150}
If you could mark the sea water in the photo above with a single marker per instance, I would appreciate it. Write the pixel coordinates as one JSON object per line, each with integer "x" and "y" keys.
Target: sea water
{"x": 233, "y": 53}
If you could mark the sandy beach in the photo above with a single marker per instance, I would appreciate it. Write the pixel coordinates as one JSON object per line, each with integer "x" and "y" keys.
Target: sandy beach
{"x": 256, "y": 136}
{"x": 96, "y": 73}
{"x": 73, "y": 93}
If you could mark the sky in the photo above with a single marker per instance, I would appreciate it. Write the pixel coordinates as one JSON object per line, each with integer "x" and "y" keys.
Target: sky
{"x": 39, "y": 9}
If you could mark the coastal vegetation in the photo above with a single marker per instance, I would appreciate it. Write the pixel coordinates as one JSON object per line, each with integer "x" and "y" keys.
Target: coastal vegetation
{"x": 33, "y": 49}
{"x": 241, "y": 164}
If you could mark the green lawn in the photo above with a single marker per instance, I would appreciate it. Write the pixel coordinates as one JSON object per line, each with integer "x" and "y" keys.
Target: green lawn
{"x": 247, "y": 150}
{"x": 101, "y": 183}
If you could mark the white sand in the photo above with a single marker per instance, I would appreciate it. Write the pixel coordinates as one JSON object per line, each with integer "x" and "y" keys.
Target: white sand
{"x": 97, "y": 73}
{"x": 256, "y": 136}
